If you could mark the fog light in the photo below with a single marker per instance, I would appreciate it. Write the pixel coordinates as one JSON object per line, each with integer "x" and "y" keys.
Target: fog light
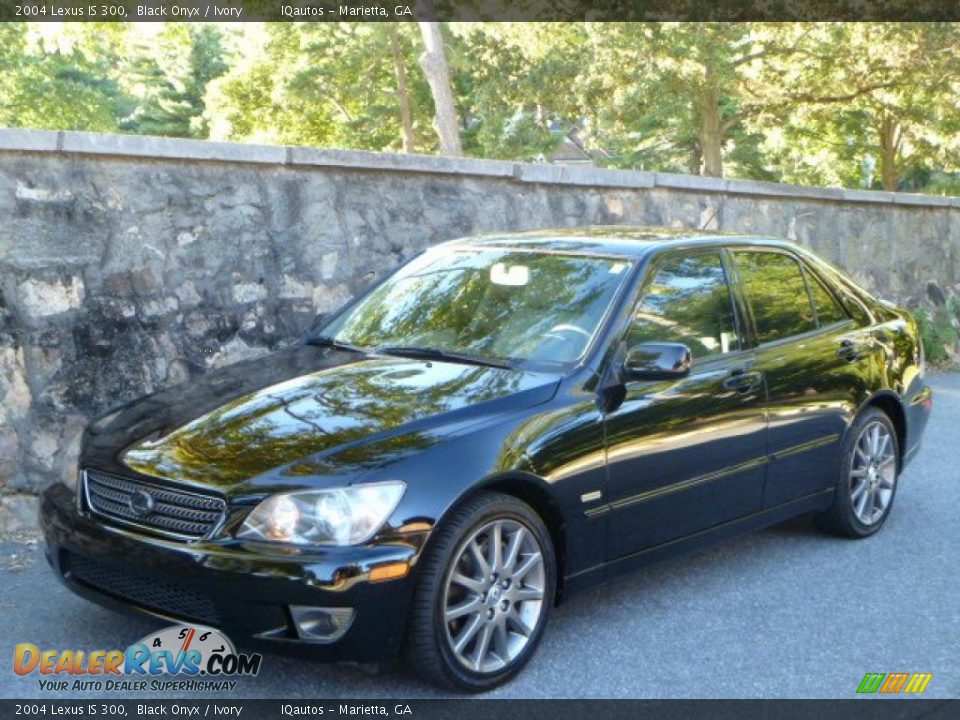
{"x": 321, "y": 625}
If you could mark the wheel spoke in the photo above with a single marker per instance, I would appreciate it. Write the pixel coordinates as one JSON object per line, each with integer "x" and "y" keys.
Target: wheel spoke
{"x": 483, "y": 644}
{"x": 858, "y": 473}
{"x": 872, "y": 504}
{"x": 513, "y": 550}
{"x": 518, "y": 624}
{"x": 473, "y": 605}
{"x": 874, "y": 440}
{"x": 467, "y": 634}
{"x": 527, "y": 593}
{"x": 482, "y": 565}
{"x": 495, "y": 540}
{"x": 858, "y": 490}
{"x": 883, "y": 498}
{"x": 885, "y": 443}
{"x": 501, "y": 640}
{"x": 471, "y": 584}
{"x": 528, "y": 564}
{"x": 861, "y": 506}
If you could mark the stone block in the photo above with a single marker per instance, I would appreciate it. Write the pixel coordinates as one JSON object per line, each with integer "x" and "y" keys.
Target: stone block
{"x": 40, "y": 298}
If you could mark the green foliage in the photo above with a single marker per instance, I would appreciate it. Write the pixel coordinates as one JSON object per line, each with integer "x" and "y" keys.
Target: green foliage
{"x": 168, "y": 77}
{"x": 938, "y": 334}
{"x": 328, "y": 84}
{"x": 54, "y": 85}
{"x": 102, "y": 77}
{"x": 838, "y": 104}
{"x": 516, "y": 86}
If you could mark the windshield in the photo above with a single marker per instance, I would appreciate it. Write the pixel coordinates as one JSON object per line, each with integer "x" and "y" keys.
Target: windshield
{"x": 496, "y": 304}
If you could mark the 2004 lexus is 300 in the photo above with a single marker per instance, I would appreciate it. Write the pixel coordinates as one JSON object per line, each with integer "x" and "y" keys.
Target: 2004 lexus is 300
{"x": 502, "y": 422}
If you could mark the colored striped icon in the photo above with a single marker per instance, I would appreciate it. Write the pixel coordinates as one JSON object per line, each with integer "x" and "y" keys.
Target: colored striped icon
{"x": 893, "y": 683}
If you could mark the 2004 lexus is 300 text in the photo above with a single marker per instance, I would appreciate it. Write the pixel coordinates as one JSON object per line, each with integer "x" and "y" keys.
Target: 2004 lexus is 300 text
{"x": 500, "y": 423}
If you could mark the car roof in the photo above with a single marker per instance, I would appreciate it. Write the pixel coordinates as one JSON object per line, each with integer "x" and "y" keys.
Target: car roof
{"x": 613, "y": 240}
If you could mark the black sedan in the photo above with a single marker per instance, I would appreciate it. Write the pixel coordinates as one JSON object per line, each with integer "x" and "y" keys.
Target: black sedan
{"x": 502, "y": 422}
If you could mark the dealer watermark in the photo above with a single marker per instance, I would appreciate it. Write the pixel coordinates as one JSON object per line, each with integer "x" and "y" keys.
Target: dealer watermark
{"x": 181, "y": 658}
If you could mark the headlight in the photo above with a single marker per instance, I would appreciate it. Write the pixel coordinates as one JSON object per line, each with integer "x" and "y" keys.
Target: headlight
{"x": 338, "y": 516}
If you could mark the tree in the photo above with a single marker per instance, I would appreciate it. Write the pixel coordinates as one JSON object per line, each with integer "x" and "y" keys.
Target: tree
{"x": 852, "y": 104}
{"x": 678, "y": 93}
{"x": 168, "y": 74}
{"x": 881, "y": 96}
{"x": 710, "y": 92}
{"x": 516, "y": 86}
{"x": 328, "y": 84}
{"x": 60, "y": 82}
{"x": 434, "y": 64}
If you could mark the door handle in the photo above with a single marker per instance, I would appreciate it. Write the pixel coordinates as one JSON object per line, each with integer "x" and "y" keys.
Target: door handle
{"x": 742, "y": 380}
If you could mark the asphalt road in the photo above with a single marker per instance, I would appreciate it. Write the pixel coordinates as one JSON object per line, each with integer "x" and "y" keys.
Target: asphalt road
{"x": 787, "y": 612}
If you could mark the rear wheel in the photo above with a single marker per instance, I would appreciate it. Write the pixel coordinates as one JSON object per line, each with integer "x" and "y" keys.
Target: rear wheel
{"x": 483, "y": 596}
{"x": 868, "y": 478}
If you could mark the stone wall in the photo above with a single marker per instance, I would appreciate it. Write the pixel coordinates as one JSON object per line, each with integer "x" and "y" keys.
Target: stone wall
{"x": 129, "y": 263}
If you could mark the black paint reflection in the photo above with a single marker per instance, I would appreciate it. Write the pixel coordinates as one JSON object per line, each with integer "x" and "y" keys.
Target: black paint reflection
{"x": 356, "y": 413}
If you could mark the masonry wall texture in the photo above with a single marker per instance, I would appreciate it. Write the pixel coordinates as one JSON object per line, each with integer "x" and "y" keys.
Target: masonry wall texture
{"x": 128, "y": 264}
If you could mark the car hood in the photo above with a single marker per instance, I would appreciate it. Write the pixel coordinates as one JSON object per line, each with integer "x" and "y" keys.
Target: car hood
{"x": 303, "y": 411}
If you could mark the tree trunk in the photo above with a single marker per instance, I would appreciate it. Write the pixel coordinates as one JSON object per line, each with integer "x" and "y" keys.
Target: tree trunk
{"x": 891, "y": 133}
{"x": 434, "y": 64}
{"x": 403, "y": 91}
{"x": 710, "y": 135}
{"x": 696, "y": 158}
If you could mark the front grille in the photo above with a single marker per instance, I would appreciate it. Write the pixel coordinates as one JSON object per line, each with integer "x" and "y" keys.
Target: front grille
{"x": 146, "y": 592}
{"x": 164, "y": 511}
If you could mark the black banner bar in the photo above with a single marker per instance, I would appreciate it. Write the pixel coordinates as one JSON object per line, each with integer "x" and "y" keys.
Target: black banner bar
{"x": 478, "y": 709}
{"x": 475, "y": 10}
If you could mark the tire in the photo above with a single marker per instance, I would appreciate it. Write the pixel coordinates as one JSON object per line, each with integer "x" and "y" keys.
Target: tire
{"x": 854, "y": 513}
{"x": 493, "y": 600}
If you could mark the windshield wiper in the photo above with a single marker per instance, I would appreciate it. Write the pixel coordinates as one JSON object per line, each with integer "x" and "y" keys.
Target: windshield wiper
{"x": 324, "y": 341}
{"x": 429, "y": 353}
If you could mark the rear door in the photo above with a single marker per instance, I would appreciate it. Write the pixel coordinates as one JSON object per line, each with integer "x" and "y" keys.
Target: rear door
{"x": 808, "y": 352}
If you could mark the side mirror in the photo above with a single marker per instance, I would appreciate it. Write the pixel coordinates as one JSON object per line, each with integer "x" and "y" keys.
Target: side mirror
{"x": 657, "y": 361}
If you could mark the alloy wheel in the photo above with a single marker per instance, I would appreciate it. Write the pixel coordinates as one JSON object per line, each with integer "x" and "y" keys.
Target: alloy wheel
{"x": 873, "y": 473}
{"x": 494, "y": 595}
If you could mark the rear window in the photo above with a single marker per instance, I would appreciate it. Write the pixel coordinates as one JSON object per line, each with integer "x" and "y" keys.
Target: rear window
{"x": 777, "y": 294}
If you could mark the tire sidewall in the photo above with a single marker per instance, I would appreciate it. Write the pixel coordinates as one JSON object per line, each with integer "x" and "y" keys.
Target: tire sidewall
{"x": 459, "y": 675}
{"x": 843, "y": 500}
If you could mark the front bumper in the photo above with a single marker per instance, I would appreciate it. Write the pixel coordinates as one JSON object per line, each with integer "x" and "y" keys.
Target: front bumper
{"x": 235, "y": 587}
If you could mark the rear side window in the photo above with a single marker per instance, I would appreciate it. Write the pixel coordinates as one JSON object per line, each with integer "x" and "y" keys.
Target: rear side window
{"x": 828, "y": 309}
{"x": 775, "y": 288}
{"x": 687, "y": 302}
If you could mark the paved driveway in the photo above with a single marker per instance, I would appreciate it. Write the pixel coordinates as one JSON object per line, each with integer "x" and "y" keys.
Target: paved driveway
{"x": 786, "y": 612}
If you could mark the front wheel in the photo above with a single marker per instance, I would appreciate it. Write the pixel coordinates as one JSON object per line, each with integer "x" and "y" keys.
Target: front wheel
{"x": 868, "y": 478}
{"x": 483, "y": 595}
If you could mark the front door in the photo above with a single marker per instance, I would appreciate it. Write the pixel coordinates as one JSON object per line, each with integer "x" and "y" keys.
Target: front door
{"x": 686, "y": 455}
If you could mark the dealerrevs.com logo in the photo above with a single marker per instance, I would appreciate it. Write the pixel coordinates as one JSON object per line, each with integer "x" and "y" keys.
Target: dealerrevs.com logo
{"x": 203, "y": 658}
{"x": 893, "y": 683}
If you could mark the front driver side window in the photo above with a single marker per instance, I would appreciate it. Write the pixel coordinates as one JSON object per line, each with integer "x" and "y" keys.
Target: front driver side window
{"x": 687, "y": 302}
